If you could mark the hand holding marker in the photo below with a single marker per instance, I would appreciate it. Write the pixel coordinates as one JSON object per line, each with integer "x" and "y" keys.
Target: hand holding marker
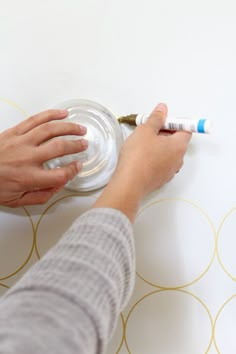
{"x": 175, "y": 124}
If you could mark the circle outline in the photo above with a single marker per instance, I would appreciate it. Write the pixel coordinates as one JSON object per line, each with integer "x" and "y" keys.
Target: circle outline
{"x": 214, "y": 248}
{"x": 79, "y": 194}
{"x": 15, "y": 105}
{"x": 217, "y": 317}
{"x": 123, "y": 333}
{"x": 178, "y": 290}
{"x": 4, "y": 286}
{"x": 227, "y": 215}
{"x": 30, "y": 252}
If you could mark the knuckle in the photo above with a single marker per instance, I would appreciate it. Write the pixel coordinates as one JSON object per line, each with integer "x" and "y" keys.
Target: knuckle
{"x": 82, "y": 144}
{"x": 22, "y": 181}
{"x": 43, "y": 115}
{"x": 73, "y": 170}
{"x": 50, "y": 112}
{"x": 75, "y": 127}
{"x": 59, "y": 145}
{"x": 48, "y": 128}
{"x": 70, "y": 171}
{"x": 71, "y": 128}
{"x": 158, "y": 116}
{"x": 34, "y": 119}
{"x": 62, "y": 177}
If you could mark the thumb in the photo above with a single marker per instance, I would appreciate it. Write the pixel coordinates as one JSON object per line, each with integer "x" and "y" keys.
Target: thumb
{"x": 158, "y": 116}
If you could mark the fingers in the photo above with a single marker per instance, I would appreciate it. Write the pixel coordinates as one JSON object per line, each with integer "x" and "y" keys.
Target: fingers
{"x": 34, "y": 198}
{"x": 40, "y": 178}
{"x": 38, "y": 119}
{"x": 158, "y": 116}
{"x": 57, "y": 177}
{"x": 60, "y": 147}
{"x": 50, "y": 130}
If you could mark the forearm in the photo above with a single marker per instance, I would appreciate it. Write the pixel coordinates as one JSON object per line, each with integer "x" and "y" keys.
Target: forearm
{"x": 122, "y": 193}
{"x": 70, "y": 301}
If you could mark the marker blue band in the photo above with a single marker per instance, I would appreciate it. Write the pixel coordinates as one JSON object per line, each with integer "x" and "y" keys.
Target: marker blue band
{"x": 200, "y": 126}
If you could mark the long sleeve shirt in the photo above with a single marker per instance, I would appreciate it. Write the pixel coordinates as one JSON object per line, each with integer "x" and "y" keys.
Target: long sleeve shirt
{"x": 70, "y": 301}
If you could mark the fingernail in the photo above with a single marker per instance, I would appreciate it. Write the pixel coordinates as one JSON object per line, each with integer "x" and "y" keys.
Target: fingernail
{"x": 161, "y": 107}
{"x": 84, "y": 143}
{"x": 78, "y": 165}
{"x": 83, "y": 129}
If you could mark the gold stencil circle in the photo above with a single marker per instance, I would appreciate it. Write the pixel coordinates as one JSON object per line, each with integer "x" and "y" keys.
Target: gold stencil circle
{"x": 12, "y": 114}
{"x": 14, "y": 105}
{"x": 144, "y": 249}
{"x": 19, "y": 268}
{"x": 226, "y": 328}
{"x": 114, "y": 346}
{"x": 232, "y": 248}
{"x": 64, "y": 217}
{"x": 23, "y": 114}
{"x": 3, "y": 288}
{"x": 169, "y": 312}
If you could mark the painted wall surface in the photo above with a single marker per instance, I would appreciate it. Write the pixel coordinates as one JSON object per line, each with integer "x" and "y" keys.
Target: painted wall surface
{"x": 129, "y": 55}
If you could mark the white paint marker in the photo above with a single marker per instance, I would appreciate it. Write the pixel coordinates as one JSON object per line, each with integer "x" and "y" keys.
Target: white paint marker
{"x": 176, "y": 124}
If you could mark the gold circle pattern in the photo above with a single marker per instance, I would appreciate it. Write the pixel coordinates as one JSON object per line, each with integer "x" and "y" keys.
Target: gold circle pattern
{"x": 38, "y": 255}
{"x": 217, "y": 316}
{"x": 84, "y": 194}
{"x": 160, "y": 288}
{"x": 123, "y": 333}
{"x": 214, "y": 252}
{"x": 163, "y": 290}
{"x": 4, "y": 286}
{"x": 30, "y": 253}
{"x": 218, "y": 235}
{"x": 15, "y": 105}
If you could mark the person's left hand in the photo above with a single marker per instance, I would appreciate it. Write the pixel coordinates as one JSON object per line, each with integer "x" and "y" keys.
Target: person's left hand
{"x": 23, "y": 151}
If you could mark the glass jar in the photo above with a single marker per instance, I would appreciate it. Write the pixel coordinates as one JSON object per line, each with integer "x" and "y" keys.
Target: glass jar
{"x": 104, "y": 141}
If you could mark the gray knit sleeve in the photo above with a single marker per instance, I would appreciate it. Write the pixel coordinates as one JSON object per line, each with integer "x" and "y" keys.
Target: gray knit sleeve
{"x": 69, "y": 302}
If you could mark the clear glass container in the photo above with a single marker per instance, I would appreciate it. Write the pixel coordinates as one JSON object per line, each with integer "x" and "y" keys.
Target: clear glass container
{"x": 104, "y": 141}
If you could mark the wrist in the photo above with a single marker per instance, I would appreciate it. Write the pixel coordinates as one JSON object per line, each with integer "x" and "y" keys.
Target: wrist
{"x": 123, "y": 194}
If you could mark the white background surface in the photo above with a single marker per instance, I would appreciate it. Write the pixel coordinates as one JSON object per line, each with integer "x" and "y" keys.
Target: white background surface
{"x": 129, "y": 55}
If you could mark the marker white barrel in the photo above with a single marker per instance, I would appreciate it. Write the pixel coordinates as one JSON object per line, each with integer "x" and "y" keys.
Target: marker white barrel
{"x": 180, "y": 124}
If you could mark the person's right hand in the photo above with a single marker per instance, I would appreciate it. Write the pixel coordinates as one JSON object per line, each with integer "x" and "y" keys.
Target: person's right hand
{"x": 148, "y": 159}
